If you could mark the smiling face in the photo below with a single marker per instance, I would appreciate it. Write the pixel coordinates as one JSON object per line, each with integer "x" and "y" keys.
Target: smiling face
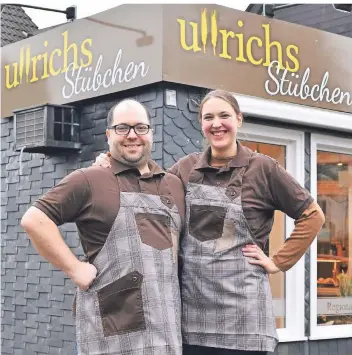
{"x": 131, "y": 149}
{"x": 220, "y": 120}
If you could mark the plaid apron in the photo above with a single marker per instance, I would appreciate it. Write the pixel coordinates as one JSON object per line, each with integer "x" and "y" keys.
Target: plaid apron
{"x": 226, "y": 301}
{"x": 133, "y": 305}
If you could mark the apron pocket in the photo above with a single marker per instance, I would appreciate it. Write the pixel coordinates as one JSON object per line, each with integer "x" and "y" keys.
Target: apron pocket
{"x": 154, "y": 230}
{"x": 206, "y": 222}
{"x": 121, "y": 305}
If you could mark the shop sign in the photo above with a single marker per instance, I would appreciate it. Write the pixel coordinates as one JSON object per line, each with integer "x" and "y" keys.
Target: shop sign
{"x": 95, "y": 56}
{"x": 253, "y": 55}
{"x": 207, "y": 46}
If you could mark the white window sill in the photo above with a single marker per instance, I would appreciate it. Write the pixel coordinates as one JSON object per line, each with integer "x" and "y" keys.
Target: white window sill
{"x": 332, "y": 332}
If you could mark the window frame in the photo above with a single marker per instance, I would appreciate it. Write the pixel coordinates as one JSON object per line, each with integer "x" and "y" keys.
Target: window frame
{"x": 335, "y": 145}
{"x": 294, "y": 282}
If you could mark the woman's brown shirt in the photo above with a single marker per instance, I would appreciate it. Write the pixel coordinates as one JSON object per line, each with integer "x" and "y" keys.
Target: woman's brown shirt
{"x": 266, "y": 187}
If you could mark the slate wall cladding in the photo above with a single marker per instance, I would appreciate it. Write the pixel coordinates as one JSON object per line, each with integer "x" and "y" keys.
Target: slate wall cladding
{"x": 320, "y": 16}
{"x": 182, "y": 133}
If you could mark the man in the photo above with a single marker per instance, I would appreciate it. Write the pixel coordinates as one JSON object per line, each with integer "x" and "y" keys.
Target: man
{"x": 129, "y": 219}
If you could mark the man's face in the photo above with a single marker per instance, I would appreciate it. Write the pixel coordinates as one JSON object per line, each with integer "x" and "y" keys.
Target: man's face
{"x": 131, "y": 149}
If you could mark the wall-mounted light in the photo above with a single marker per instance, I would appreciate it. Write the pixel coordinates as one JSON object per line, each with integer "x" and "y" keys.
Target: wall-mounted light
{"x": 70, "y": 12}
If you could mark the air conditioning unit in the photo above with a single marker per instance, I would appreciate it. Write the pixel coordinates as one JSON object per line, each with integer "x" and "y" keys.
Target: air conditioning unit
{"x": 46, "y": 129}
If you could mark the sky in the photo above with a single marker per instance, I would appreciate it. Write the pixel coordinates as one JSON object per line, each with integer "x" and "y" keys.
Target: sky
{"x": 86, "y": 8}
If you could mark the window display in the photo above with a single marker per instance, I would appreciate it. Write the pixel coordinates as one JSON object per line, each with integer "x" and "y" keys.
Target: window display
{"x": 334, "y": 246}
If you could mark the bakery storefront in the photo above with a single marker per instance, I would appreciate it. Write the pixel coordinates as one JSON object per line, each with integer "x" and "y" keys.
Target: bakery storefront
{"x": 294, "y": 87}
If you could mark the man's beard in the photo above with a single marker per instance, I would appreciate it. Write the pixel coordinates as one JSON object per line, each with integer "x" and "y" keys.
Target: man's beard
{"x": 133, "y": 160}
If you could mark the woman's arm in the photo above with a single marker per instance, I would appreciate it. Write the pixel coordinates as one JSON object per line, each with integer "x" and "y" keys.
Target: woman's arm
{"x": 284, "y": 193}
{"x": 307, "y": 226}
{"x": 294, "y": 200}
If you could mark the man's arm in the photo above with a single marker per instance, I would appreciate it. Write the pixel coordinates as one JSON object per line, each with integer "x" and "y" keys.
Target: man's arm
{"x": 47, "y": 240}
{"x": 64, "y": 203}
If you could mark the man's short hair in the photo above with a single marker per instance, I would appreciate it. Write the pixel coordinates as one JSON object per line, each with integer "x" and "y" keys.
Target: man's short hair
{"x": 110, "y": 117}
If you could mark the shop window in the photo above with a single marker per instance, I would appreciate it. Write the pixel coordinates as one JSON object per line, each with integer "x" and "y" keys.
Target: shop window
{"x": 332, "y": 262}
{"x": 334, "y": 248}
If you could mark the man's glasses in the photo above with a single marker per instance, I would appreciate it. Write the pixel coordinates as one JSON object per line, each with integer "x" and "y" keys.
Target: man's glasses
{"x": 124, "y": 129}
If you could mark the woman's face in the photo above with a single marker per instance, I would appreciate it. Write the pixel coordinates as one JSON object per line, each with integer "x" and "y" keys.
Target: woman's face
{"x": 219, "y": 123}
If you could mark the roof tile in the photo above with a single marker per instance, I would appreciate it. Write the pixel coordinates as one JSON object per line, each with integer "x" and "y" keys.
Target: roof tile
{"x": 14, "y": 20}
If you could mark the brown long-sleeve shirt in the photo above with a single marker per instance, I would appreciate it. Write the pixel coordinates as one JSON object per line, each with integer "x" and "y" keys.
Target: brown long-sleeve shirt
{"x": 266, "y": 187}
{"x": 306, "y": 228}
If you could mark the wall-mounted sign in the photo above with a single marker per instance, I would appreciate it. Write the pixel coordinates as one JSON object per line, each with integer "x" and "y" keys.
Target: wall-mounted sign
{"x": 208, "y": 46}
{"x": 217, "y": 47}
{"x": 98, "y": 55}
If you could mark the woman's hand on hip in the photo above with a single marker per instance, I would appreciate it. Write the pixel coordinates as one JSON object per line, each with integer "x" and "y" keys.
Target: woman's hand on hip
{"x": 256, "y": 256}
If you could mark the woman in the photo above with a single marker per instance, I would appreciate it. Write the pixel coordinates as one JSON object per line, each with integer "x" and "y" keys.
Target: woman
{"x": 231, "y": 195}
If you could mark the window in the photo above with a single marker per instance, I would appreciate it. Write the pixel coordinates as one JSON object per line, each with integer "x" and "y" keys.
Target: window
{"x": 332, "y": 262}
{"x": 66, "y": 125}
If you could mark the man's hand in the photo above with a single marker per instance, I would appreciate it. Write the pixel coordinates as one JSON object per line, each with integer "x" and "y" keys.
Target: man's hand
{"x": 259, "y": 258}
{"x": 83, "y": 275}
{"x": 103, "y": 160}
{"x": 47, "y": 240}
